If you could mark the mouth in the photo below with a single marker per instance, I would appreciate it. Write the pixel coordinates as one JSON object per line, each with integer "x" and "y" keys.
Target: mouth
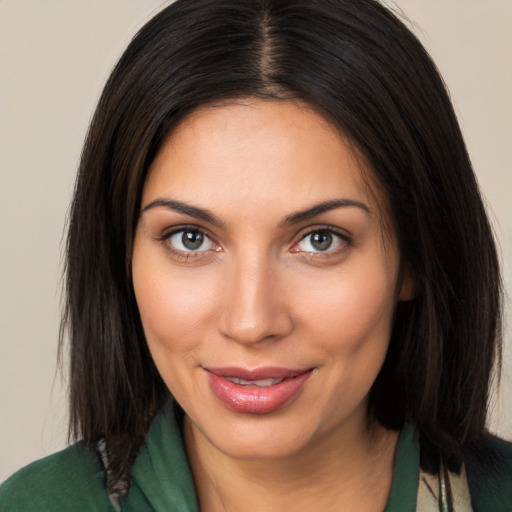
{"x": 257, "y": 391}
{"x": 262, "y": 383}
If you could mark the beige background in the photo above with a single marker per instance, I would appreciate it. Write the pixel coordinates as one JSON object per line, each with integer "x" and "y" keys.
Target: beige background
{"x": 54, "y": 58}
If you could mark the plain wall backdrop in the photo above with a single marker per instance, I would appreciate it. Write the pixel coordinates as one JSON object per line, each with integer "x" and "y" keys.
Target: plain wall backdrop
{"x": 55, "y": 56}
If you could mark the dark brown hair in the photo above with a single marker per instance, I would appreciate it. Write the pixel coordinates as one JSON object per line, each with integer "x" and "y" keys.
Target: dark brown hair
{"x": 356, "y": 63}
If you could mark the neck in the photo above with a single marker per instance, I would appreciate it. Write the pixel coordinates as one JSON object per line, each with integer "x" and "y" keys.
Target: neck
{"x": 349, "y": 472}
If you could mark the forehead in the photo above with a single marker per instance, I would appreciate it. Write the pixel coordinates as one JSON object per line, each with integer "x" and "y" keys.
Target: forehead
{"x": 259, "y": 154}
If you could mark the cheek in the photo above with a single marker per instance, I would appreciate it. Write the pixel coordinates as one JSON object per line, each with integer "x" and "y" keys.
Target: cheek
{"x": 173, "y": 305}
{"x": 348, "y": 309}
{"x": 349, "y": 315}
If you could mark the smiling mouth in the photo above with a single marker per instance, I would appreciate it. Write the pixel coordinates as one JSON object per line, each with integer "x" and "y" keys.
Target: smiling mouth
{"x": 258, "y": 391}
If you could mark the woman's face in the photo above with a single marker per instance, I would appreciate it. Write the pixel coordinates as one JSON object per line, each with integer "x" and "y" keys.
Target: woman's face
{"x": 264, "y": 280}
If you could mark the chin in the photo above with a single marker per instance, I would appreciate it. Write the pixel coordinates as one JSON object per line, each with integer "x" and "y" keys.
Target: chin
{"x": 257, "y": 437}
{"x": 261, "y": 447}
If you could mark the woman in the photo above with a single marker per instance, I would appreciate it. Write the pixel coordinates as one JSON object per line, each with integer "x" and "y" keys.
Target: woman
{"x": 277, "y": 225}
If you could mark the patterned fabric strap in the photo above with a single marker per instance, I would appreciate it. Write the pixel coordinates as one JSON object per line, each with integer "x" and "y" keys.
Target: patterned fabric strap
{"x": 444, "y": 492}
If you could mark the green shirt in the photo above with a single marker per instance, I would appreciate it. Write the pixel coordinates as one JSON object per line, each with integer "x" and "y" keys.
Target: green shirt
{"x": 73, "y": 479}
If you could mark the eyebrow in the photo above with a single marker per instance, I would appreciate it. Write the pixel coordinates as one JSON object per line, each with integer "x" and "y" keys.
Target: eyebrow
{"x": 323, "y": 207}
{"x": 294, "y": 218}
{"x": 187, "y": 209}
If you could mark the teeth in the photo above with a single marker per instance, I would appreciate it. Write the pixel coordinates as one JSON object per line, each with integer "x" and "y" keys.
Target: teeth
{"x": 264, "y": 383}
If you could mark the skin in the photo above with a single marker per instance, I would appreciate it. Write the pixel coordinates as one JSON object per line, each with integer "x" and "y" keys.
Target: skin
{"x": 259, "y": 293}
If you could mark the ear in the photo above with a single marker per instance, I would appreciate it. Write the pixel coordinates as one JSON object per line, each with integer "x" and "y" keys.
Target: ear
{"x": 408, "y": 284}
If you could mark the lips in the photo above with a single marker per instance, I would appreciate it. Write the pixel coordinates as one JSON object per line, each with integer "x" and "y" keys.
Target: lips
{"x": 258, "y": 391}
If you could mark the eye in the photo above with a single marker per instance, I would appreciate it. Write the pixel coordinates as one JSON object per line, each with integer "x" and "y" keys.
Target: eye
{"x": 190, "y": 240}
{"x": 320, "y": 240}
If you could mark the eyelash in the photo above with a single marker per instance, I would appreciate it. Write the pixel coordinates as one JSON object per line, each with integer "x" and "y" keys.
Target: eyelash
{"x": 345, "y": 241}
{"x": 184, "y": 255}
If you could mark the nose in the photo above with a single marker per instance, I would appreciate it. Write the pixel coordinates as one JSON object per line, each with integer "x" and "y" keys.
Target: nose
{"x": 255, "y": 308}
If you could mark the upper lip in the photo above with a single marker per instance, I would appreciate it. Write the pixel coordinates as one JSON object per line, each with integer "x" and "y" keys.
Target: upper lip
{"x": 256, "y": 373}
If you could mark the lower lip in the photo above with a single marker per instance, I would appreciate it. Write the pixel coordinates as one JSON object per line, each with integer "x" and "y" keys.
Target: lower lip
{"x": 254, "y": 399}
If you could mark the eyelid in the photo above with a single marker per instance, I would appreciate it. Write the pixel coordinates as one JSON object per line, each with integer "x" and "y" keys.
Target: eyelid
{"x": 186, "y": 255}
{"x": 342, "y": 233}
{"x": 346, "y": 240}
{"x": 177, "y": 241}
